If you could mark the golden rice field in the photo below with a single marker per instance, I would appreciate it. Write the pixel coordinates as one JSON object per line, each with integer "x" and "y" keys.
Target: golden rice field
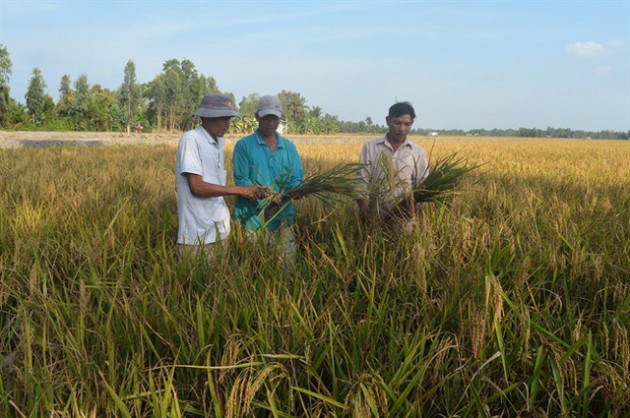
{"x": 511, "y": 301}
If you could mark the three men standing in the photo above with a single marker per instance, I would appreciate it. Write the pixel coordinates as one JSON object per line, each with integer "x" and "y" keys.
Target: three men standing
{"x": 265, "y": 162}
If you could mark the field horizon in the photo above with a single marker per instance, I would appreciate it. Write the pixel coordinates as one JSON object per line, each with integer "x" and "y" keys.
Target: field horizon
{"x": 39, "y": 139}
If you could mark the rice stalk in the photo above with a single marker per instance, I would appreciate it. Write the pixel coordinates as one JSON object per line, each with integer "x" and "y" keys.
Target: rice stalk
{"x": 445, "y": 176}
{"x": 325, "y": 186}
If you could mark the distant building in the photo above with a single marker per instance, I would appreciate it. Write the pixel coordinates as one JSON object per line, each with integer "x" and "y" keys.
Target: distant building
{"x": 433, "y": 134}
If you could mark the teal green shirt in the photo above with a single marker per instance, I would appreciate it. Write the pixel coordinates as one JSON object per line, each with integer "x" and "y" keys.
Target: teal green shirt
{"x": 255, "y": 165}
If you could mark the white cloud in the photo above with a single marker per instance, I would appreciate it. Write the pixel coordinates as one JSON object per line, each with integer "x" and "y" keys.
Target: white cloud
{"x": 590, "y": 49}
{"x": 585, "y": 49}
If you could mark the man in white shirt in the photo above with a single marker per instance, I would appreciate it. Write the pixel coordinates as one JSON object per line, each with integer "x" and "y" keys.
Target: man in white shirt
{"x": 204, "y": 218}
{"x": 393, "y": 166}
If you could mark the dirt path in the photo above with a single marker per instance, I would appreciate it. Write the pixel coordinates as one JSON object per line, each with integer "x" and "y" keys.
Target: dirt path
{"x": 19, "y": 139}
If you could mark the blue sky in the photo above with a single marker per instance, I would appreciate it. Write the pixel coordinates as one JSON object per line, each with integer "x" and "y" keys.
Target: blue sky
{"x": 462, "y": 64}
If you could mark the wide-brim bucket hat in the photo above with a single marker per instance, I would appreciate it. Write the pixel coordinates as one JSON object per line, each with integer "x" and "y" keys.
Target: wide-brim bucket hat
{"x": 216, "y": 105}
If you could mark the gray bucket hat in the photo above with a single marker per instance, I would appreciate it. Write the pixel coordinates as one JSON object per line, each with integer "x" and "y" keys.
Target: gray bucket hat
{"x": 216, "y": 105}
{"x": 269, "y": 105}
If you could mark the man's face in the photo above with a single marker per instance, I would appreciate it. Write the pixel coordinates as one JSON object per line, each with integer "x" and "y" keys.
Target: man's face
{"x": 399, "y": 127}
{"x": 267, "y": 125}
{"x": 217, "y": 127}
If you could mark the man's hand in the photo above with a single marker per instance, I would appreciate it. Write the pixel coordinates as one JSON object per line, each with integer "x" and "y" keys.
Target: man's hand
{"x": 276, "y": 198}
{"x": 251, "y": 192}
{"x": 263, "y": 192}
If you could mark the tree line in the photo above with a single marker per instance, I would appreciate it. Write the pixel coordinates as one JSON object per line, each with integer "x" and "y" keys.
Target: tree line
{"x": 167, "y": 103}
{"x": 549, "y": 132}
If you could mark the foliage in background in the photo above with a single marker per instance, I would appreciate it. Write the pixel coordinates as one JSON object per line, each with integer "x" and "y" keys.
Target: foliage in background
{"x": 130, "y": 98}
{"x": 243, "y": 126}
{"x": 64, "y": 104}
{"x": 40, "y": 105}
{"x": 5, "y": 77}
{"x": 174, "y": 94}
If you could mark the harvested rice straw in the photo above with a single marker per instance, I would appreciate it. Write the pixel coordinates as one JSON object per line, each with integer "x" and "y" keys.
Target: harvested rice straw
{"x": 445, "y": 176}
{"x": 340, "y": 180}
{"x": 325, "y": 186}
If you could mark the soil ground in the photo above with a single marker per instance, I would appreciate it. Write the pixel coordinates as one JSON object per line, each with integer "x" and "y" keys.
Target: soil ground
{"x": 21, "y": 139}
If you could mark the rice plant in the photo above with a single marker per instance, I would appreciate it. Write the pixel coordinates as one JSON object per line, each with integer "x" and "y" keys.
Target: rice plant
{"x": 511, "y": 301}
{"x": 445, "y": 175}
{"x": 328, "y": 185}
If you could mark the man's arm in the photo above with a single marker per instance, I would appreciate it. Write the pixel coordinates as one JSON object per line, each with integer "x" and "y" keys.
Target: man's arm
{"x": 200, "y": 188}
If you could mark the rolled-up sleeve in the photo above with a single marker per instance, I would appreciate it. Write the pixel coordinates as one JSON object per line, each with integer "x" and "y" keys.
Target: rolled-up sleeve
{"x": 190, "y": 160}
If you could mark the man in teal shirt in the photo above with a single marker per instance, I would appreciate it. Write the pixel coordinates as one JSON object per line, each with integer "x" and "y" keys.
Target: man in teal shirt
{"x": 265, "y": 158}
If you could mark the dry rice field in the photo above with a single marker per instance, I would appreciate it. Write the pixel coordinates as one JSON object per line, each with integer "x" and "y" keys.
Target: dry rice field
{"x": 512, "y": 300}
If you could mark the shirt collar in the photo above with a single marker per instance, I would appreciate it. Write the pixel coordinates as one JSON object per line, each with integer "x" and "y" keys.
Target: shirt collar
{"x": 209, "y": 137}
{"x": 261, "y": 141}
{"x": 386, "y": 143}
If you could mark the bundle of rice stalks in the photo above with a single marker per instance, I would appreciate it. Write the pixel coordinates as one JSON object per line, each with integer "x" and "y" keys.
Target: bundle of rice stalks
{"x": 326, "y": 186}
{"x": 445, "y": 176}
